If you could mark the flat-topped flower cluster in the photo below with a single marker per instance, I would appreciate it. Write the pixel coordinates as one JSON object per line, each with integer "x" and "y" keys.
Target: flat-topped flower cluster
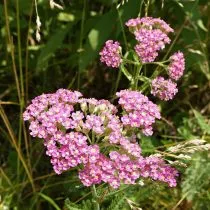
{"x": 152, "y": 36}
{"x": 93, "y": 135}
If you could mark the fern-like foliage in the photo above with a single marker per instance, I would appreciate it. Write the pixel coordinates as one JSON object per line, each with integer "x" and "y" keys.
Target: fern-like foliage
{"x": 195, "y": 187}
{"x": 117, "y": 202}
{"x": 68, "y": 205}
{"x": 85, "y": 205}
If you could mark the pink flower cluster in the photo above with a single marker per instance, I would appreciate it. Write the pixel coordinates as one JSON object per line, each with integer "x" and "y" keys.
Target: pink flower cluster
{"x": 177, "y": 66}
{"x": 150, "y": 42}
{"x": 148, "y": 22}
{"x": 120, "y": 168}
{"x": 164, "y": 89}
{"x": 71, "y": 137}
{"x": 151, "y": 33}
{"x": 110, "y": 54}
{"x": 139, "y": 111}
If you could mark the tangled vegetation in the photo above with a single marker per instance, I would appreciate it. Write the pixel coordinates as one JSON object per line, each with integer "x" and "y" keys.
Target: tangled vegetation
{"x": 126, "y": 124}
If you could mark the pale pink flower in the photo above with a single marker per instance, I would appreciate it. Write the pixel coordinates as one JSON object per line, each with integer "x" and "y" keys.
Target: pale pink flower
{"x": 176, "y": 66}
{"x": 111, "y": 54}
{"x": 163, "y": 88}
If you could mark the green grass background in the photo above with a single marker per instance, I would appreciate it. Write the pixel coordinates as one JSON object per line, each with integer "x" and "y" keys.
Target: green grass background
{"x": 67, "y": 57}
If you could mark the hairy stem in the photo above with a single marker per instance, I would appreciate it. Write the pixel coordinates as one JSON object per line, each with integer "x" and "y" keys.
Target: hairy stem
{"x": 95, "y": 198}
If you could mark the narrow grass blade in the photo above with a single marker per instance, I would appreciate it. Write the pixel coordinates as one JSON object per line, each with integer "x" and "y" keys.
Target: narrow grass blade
{"x": 50, "y": 200}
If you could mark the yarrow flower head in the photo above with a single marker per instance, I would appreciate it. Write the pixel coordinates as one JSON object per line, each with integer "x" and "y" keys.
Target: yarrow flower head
{"x": 121, "y": 168}
{"x": 111, "y": 54}
{"x": 148, "y": 22}
{"x": 150, "y": 42}
{"x": 163, "y": 88}
{"x": 177, "y": 66}
{"x": 71, "y": 137}
{"x": 139, "y": 111}
{"x": 151, "y": 34}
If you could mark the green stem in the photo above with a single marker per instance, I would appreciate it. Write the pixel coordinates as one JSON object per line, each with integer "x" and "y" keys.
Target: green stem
{"x": 148, "y": 82}
{"x": 156, "y": 73}
{"x": 22, "y": 102}
{"x": 122, "y": 28}
{"x": 131, "y": 62}
{"x": 117, "y": 82}
{"x": 95, "y": 198}
{"x": 11, "y": 46}
{"x": 147, "y": 7}
{"x": 19, "y": 50}
{"x": 80, "y": 42}
{"x": 125, "y": 72}
{"x": 134, "y": 85}
{"x": 144, "y": 79}
{"x": 114, "y": 89}
{"x": 27, "y": 52}
{"x": 158, "y": 63}
{"x": 93, "y": 137}
{"x": 16, "y": 146}
{"x": 88, "y": 138}
{"x": 140, "y": 8}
